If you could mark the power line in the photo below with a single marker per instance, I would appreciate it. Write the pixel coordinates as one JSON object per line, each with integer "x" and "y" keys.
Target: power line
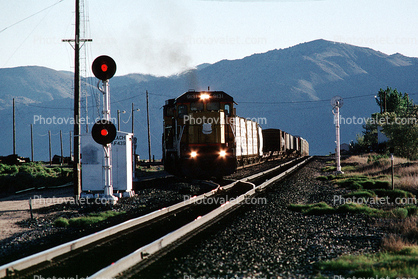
{"x": 30, "y": 16}
{"x": 301, "y": 102}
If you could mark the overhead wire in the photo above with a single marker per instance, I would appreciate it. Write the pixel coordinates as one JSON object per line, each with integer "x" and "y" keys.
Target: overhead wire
{"x": 300, "y": 102}
{"x": 33, "y": 30}
{"x": 34, "y": 14}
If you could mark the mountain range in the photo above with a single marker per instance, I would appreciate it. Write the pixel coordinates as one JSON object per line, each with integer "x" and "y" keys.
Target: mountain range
{"x": 289, "y": 89}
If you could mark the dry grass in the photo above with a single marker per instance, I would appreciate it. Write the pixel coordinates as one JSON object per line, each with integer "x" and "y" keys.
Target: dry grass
{"x": 393, "y": 243}
{"x": 406, "y": 171}
{"x": 408, "y": 228}
{"x": 356, "y": 159}
{"x": 408, "y": 183}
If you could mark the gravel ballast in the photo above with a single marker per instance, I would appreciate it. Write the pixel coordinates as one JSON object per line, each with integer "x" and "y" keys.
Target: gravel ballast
{"x": 267, "y": 240}
{"x": 40, "y": 233}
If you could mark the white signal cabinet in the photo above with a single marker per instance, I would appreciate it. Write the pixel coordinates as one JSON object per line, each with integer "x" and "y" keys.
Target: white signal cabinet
{"x": 92, "y": 156}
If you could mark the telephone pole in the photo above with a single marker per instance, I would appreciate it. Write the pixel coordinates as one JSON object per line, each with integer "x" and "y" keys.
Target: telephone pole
{"x": 149, "y": 132}
{"x": 50, "y": 148}
{"x": 14, "y": 128}
{"x": 77, "y": 157}
{"x": 62, "y": 150}
{"x": 31, "y": 141}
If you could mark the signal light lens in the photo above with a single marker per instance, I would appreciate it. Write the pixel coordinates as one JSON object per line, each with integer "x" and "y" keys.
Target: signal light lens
{"x": 222, "y": 153}
{"x": 103, "y": 67}
{"x": 103, "y": 132}
{"x": 193, "y": 154}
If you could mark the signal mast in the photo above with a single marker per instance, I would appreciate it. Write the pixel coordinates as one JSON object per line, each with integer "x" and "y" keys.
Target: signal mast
{"x": 337, "y": 103}
{"x": 104, "y": 131}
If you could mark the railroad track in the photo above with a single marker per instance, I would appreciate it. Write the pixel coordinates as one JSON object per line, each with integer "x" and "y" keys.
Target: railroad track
{"x": 112, "y": 251}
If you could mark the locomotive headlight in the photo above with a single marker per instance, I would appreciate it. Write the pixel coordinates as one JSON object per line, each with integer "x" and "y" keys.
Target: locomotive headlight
{"x": 204, "y": 96}
{"x": 193, "y": 154}
{"x": 222, "y": 153}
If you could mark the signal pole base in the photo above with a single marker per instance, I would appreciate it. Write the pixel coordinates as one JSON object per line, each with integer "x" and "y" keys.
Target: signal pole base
{"x": 111, "y": 199}
{"x": 339, "y": 172}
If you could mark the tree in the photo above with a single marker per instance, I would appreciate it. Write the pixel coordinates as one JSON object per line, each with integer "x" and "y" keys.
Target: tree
{"x": 400, "y": 125}
{"x": 402, "y": 131}
{"x": 392, "y": 101}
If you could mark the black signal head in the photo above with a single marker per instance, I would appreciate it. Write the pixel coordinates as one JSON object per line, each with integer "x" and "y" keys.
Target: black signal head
{"x": 104, "y": 67}
{"x": 103, "y": 132}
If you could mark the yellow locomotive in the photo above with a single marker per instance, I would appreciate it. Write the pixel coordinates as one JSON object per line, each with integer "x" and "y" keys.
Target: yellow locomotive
{"x": 203, "y": 137}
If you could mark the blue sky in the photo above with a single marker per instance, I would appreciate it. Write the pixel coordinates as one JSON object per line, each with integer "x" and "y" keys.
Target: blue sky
{"x": 163, "y": 37}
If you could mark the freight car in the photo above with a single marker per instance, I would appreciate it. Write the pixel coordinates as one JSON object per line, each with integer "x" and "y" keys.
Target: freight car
{"x": 279, "y": 144}
{"x": 203, "y": 136}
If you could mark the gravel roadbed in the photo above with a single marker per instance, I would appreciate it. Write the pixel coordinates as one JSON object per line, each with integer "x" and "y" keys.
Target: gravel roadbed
{"x": 32, "y": 236}
{"x": 270, "y": 241}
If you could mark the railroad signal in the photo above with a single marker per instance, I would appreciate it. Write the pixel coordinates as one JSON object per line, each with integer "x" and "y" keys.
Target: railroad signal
{"x": 103, "y": 132}
{"x": 104, "y": 67}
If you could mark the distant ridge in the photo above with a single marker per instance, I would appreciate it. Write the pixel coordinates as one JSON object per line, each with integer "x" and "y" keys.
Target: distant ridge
{"x": 274, "y": 85}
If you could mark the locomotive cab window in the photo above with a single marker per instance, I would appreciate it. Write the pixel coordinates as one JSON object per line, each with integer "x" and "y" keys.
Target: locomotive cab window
{"x": 196, "y": 106}
{"x": 228, "y": 109}
{"x": 214, "y": 106}
{"x": 182, "y": 110}
{"x": 168, "y": 111}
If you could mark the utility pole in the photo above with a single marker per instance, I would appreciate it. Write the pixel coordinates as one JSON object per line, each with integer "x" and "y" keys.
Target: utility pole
{"x": 133, "y": 142}
{"x": 50, "y": 148}
{"x": 31, "y": 141}
{"x": 119, "y": 118}
{"x": 71, "y": 144}
{"x": 132, "y": 118}
{"x": 62, "y": 150}
{"x": 149, "y": 132}
{"x": 14, "y": 128}
{"x": 77, "y": 157}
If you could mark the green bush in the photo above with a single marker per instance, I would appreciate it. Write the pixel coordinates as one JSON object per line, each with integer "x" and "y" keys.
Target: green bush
{"x": 15, "y": 178}
{"x": 393, "y": 194}
{"x": 61, "y": 222}
{"x": 412, "y": 210}
{"x": 398, "y": 212}
{"x": 362, "y": 194}
{"x": 93, "y": 218}
{"x": 358, "y": 209}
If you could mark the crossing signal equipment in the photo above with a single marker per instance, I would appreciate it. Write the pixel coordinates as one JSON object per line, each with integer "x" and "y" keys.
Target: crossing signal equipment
{"x": 104, "y": 67}
{"x": 103, "y": 132}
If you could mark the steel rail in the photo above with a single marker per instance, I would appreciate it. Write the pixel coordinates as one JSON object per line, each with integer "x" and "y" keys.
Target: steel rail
{"x": 50, "y": 254}
{"x": 146, "y": 251}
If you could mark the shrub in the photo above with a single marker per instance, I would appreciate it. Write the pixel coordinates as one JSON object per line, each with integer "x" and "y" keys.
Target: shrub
{"x": 358, "y": 209}
{"x": 61, "y": 222}
{"x": 412, "y": 210}
{"x": 393, "y": 243}
{"x": 93, "y": 218}
{"x": 393, "y": 194}
{"x": 398, "y": 212}
{"x": 361, "y": 194}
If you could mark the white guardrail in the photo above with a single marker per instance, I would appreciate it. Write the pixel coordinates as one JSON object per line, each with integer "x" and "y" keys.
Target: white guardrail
{"x": 54, "y": 252}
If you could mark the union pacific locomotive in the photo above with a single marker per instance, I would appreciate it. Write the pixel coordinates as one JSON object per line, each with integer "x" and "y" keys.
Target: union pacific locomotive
{"x": 203, "y": 137}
